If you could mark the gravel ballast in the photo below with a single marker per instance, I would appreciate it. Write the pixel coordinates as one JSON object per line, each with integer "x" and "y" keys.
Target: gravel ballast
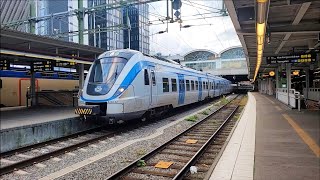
{"x": 108, "y": 165}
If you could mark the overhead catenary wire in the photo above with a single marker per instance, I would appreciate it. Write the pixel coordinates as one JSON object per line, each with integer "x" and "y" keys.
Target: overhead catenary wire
{"x": 208, "y": 23}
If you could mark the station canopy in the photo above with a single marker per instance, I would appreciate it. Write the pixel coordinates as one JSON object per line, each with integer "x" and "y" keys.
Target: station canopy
{"x": 292, "y": 27}
{"x": 24, "y": 48}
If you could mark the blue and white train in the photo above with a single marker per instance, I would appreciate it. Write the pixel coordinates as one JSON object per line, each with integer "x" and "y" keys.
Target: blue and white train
{"x": 126, "y": 84}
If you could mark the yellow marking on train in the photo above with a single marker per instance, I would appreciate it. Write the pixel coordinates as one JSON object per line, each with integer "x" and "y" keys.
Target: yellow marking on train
{"x": 303, "y": 135}
{"x": 277, "y": 107}
{"x": 83, "y": 111}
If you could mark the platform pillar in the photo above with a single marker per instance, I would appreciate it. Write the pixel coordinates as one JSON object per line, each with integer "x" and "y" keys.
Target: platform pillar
{"x": 81, "y": 76}
{"x": 288, "y": 76}
{"x": 33, "y": 87}
{"x": 307, "y": 71}
{"x": 277, "y": 80}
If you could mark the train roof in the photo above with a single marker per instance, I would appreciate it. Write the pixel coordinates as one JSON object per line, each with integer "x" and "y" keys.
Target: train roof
{"x": 128, "y": 53}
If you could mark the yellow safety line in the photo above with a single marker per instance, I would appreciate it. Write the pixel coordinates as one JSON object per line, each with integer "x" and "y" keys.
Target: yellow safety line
{"x": 277, "y": 107}
{"x": 304, "y": 135}
{"x": 269, "y": 99}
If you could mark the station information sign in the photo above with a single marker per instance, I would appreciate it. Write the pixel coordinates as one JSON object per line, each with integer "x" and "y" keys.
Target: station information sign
{"x": 4, "y": 64}
{"x": 41, "y": 66}
{"x": 297, "y": 58}
{"x": 65, "y": 64}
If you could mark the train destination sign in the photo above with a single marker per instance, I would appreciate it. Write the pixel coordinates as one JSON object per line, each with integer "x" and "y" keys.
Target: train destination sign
{"x": 41, "y": 66}
{"x": 4, "y": 64}
{"x": 297, "y": 58}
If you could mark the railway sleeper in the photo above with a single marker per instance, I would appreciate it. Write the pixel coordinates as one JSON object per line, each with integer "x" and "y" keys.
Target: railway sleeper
{"x": 138, "y": 176}
{"x": 199, "y": 134}
{"x": 179, "y": 153}
{"x": 196, "y": 176}
{"x": 176, "y": 164}
{"x": 156, "y": 172}
{"x": 195, "y": 137}
{"x": 184, "y": 143}
{"x": 183, "y": 148}
{"x": 173, "y": 157}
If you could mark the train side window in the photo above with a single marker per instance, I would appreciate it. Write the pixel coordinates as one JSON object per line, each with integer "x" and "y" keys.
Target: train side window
{"x": 192, "y": 85}
{"x": 212, "y": 85}
{"x": 153, "y": 77}
{"x": 174, "y": 85}
{"x": 207, "y": 83}
{"x": 188, "y": 85}
{"x": 165, "y": 84}
{"x": 146, "y": 77}
{"x": 197, "y": 85}
{"x": 203, "y": 85}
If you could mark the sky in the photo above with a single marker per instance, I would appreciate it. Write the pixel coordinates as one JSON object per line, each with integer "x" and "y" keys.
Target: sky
{"x": 214, "y": 34}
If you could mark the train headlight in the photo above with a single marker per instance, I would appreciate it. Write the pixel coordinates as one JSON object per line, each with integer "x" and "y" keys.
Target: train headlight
{"x": 121, "y": 90}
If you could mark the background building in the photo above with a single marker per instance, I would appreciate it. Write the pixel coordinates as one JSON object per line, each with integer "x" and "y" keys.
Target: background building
{"x": 230, "y": 61}
{"x": 105, "y": 26}
{"x": 138, "y": 16}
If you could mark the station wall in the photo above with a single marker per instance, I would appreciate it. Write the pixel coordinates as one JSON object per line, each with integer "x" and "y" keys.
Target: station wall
{"x": 13, "y": 90}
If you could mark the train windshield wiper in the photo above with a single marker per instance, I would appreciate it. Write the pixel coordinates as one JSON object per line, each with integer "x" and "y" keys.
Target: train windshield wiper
{"x": 116, "y": 73}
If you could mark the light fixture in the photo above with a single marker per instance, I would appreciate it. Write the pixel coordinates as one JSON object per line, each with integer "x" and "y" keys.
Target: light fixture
{"x": 261, "y": 27}
{"x": 261, "y": 9}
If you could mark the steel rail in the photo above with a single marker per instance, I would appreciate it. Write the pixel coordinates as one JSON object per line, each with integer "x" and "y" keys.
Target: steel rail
{"x": 186, "y": 168}
{"x": 128, "y": 168}
{"x": 45, "y": 143}
{"x": 28, "y": 162}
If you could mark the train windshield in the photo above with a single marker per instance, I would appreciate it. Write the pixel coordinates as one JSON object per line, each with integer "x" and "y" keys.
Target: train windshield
{"x": 106, "y": 70}
{"x": 104, "y": 73}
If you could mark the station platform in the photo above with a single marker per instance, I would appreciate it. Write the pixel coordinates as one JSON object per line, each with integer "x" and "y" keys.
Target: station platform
{"x": 21, "y": 126}
{"x": 13, "y": 117}
{"x": 272, "y": 141}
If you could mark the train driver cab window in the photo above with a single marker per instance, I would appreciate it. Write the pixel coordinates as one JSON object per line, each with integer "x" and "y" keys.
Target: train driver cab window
{"x": 174, "y": 85}
{"x": 153, "y": 77}
{"x": 197, "y": 87}
{"x": 146, "y": 77}
{"x": 165, "y": 83}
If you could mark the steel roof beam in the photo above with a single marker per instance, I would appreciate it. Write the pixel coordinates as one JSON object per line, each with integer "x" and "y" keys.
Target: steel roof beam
{"x": 234, "y": 18}
{"x": 303, "y": 9}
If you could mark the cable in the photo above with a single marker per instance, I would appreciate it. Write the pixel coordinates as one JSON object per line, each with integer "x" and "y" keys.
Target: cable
{"x": 208, "y": 23}
{"x": 205, "y": 5}
{"x": 184, "y": 40}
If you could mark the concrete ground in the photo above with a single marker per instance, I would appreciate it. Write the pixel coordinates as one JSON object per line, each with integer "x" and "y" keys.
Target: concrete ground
{"x": 287, "y": 141}
{"x": 17, "y": 117}
{"x": 272, "y": 141}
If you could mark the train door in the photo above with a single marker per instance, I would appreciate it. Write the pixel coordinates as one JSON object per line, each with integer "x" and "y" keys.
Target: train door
{"x": 200, "y": 89}
{"x": 208, "y": 88}
{"x": 153, "y": 86}
{"x": 182, "y": 89}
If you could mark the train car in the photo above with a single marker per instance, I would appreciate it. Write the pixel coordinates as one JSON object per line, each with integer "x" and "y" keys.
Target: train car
{"x": 126, "y": 84}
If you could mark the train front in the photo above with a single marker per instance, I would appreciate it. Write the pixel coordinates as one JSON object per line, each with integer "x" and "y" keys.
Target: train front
{"x": 106, "y": 89}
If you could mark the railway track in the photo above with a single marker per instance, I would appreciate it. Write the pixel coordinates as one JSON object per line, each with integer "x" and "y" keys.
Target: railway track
{"x": 198, "y": 146}
{"x": 21, "y": 158}
{"x": 26, "y": 156}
